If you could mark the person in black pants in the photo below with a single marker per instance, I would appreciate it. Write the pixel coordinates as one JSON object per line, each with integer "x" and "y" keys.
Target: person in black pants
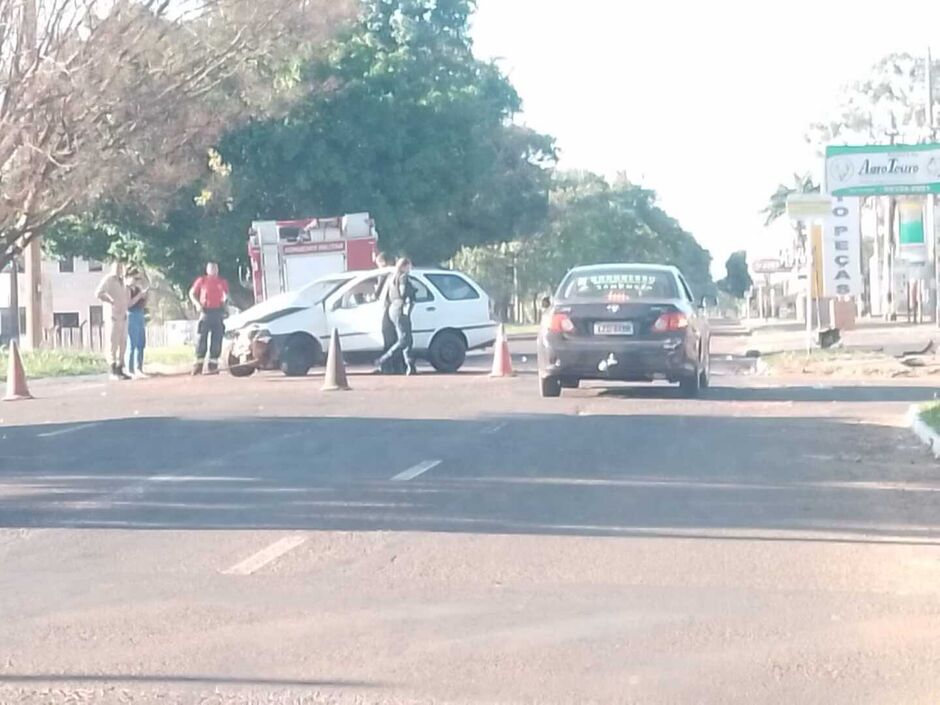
{"x": 209, "y": 294}
{"x": 396, "y": 364}
{"x": 400, "y": 295}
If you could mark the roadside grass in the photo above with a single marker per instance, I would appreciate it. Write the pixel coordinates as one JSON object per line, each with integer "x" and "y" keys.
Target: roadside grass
{"x": 72, "y": 363}
{"x": 829, "y": 362}
{"x": 175, "y": 355}
{"x": 823, "y": 355}
{"x": 513, "y": 329}
{"x": 930, "y": 415}
{"x": 56, "y": 363}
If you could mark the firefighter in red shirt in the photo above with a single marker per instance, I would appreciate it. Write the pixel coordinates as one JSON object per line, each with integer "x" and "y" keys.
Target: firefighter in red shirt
{"x": 209, "y": 294}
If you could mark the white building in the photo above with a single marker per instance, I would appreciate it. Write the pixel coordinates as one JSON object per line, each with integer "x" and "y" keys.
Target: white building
{"x": 68, "y": 297}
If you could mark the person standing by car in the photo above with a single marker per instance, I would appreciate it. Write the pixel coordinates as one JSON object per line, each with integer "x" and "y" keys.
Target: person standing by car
{"x": 209, "y": 294}
{"x": 136, "y": 323}
{"x": 399, "y": 295}
{"x": 396, "y": 364}
{"x": 112, "y": 291}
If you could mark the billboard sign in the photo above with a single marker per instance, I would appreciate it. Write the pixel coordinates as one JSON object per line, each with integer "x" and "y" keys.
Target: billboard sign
{"x": 883, "y": 170}
{"x": 808, "y": 206}
{"x": 911, "y": 239}
{"x": 768, "y": 265}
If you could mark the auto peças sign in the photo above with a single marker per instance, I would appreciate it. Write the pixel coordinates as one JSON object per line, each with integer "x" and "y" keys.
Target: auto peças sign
{"x": 841, "y": 249}
{"x": 874, "y": 170}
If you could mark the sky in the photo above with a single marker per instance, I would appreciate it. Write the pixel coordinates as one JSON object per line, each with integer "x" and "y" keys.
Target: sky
{"x": 707, "y": 103}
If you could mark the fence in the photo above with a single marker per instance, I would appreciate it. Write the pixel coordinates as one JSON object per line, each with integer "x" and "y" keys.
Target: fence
{"x": 93, "y": 338}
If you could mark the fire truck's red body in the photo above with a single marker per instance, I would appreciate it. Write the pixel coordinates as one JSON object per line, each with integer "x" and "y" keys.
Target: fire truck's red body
{"x": 288, "y": 254}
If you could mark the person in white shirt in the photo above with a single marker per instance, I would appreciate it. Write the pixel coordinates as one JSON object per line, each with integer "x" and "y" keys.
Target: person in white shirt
{"x": 113, "y": 292}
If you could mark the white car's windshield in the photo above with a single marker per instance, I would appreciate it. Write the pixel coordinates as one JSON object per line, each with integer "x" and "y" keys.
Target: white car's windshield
{"x": 320, "y": 289}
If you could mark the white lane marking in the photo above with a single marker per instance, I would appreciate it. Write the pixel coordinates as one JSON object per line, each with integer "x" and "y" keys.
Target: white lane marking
{"x": 71, "y": 429}
{"x": 419, "y": 469}
{"x": 137, "y": 489}
{"x": 201, "y": 478}
{"x": 266, "y": 555}
{"x": 492, "y": 430}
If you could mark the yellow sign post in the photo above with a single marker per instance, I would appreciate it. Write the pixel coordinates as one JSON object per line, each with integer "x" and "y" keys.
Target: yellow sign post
{"x": 810, "y": 209}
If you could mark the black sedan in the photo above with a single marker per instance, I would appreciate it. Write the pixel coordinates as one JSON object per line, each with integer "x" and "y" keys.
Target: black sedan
{"x": 623, "y": 322}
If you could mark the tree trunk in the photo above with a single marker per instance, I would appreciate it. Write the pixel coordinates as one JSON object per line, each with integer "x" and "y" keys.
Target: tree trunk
{"x": 887, "y": 278}
{"x": 33, "y": 255}
{"x": 14, "y": 301}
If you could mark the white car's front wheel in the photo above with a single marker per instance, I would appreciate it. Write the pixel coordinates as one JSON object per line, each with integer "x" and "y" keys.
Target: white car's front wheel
{"x": 447, "y": 352}
{"x": 299, "y": 353}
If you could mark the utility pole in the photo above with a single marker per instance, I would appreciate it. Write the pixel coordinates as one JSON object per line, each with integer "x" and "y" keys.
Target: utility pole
{"x": 14, "y": 299}
{"x": 931, "y": 198}
{"x": 888, "y": 270}
{"x": 33, "y": 251}
{"x": 33, "y": 257}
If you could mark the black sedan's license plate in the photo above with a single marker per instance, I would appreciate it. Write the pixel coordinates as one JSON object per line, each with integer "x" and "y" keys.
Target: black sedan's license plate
{"x": 614, "y": 328}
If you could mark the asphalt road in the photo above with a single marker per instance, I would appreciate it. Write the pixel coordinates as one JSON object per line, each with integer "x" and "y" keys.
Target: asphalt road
{"x": 458, "y": 539}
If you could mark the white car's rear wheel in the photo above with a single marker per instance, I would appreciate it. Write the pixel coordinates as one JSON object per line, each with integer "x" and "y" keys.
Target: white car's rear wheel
{"x": 448, "y": 351}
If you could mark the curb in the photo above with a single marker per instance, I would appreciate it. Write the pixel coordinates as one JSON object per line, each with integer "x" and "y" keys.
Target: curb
{"x": 927, "y": 435}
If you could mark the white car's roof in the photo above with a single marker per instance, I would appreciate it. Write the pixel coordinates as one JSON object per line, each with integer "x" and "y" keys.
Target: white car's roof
{"x": 346, "y": 276}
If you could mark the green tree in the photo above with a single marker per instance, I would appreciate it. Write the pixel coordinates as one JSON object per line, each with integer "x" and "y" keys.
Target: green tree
{"x": 591, "y": 222}
{"x": 414, "y": 129}
{"x": 887, "y": 103}
{"x": 737, "y": 280}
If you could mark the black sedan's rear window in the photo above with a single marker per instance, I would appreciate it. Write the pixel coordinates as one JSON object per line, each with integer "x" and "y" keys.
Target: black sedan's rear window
{"x": 618, "y": 285}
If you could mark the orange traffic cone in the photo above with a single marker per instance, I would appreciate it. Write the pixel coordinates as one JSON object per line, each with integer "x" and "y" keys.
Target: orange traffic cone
{"x": 335, "y": 379}
{"x": 502, "y": 360}
{"x": 16, "y": 376}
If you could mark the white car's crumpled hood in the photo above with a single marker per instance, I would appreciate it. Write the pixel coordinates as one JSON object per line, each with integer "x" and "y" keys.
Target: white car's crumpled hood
{"x": 290, "y": 299}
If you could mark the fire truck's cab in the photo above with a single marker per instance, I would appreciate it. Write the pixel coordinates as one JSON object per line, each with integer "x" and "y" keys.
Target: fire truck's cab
{"x": 288, "y": 254}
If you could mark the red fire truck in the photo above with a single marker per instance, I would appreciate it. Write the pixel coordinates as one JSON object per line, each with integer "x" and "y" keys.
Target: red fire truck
{"x": 288, "y": 254}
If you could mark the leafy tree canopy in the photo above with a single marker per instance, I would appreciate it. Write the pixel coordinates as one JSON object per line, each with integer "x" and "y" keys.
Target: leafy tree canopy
{"x": 737, "y": 281}
{"x": 591, "y": 222}
{"x": 414, "y": 129}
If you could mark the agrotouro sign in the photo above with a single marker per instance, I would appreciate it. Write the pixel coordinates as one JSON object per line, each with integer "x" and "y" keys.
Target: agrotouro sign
{"x": 876, "y": 170}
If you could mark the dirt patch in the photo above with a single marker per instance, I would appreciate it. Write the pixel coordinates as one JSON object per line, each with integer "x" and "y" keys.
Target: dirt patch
{"x": 852, "y": 363}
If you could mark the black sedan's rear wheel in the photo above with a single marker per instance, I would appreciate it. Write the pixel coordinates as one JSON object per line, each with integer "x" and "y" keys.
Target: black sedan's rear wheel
{"x": 705, "y": 376}
{"x": 550, "y": 387}
{"x": 691, "y": 385}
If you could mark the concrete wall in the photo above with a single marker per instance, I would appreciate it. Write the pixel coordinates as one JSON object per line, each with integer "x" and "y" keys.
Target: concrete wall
{"x": 62, "y": 292}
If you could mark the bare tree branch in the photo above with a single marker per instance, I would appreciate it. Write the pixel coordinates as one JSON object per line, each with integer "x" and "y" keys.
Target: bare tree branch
{"x": 121, "y": 98}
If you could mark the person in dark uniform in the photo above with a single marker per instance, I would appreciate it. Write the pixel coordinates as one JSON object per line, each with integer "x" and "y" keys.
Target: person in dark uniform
{"x": 396, "y": 364}
{"x": 399, "y": 295}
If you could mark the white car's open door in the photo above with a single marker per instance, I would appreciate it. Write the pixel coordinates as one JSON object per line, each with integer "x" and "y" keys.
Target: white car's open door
{"x": 355, "y": 311}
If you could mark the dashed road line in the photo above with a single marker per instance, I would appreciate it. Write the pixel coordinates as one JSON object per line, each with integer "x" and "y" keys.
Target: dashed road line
{"x": 416, "y": 471}
{"x": 492, "y": 430}
{"x": 71, "y": 429}
{"x": 266, "y": 556}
